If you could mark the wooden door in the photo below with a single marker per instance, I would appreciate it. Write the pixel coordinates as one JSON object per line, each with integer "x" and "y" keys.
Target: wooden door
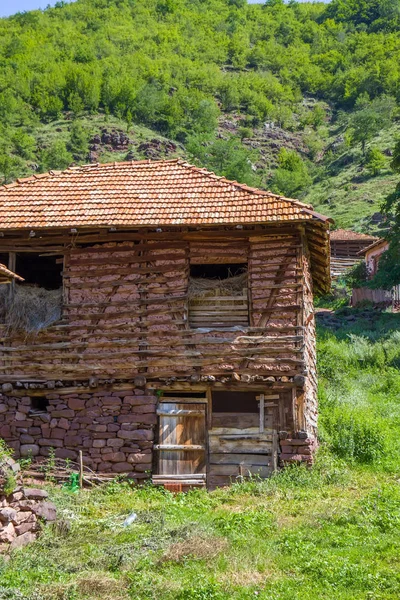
{"x": 182, "y": 442}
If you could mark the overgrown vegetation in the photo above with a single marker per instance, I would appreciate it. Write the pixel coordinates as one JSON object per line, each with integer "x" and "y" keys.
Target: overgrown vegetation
{"x": 330, "y": 532}
{"x": 230, "y": 83}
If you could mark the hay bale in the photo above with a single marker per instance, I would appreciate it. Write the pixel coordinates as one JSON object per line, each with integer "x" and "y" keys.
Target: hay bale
{"x": 200, "y": 287}
{"x": 31, "y": 308}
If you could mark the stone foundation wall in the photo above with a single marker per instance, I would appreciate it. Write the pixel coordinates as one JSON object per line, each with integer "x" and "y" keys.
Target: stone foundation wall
{"x": 297, "y": 448}
{"x": 114, "y": 429}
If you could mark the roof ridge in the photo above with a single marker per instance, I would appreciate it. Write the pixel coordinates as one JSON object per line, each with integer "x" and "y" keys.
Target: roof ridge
{"x": 74, "y": 168}
{"x": 242, "y": 186}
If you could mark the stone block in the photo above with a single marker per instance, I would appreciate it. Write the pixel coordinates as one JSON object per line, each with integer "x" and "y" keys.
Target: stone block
{"x": 139, "y": 458}
{"x": 34, "y": 431}
{"x": 73, "y": 440}
{"x": 7, "y": 515}
{"x": 23, "y": 515}
{"x": 50, "y": 442}
{"x": 67, "y": 413}
{"x": 115, "y": 443}
{"x": 63, "y": 423}
{"x": 104, "y": 467}
{"x": 3, "y": 408}
{"x": 29, "y": 450}
{"x": 24, "y": 438}
{"x": 46, "y": 511}
{"x": 122, "y": 467}
{"x": 22, "y": 540}
{"x": 57, "y": 433}
{"x": 76, "y": 403}
{"x": 116, "y": 457}
{"x": 7, "y": 533}
{"x": 24, "y": 527}
{"x": 99, "y": 443}
{"x": 35, "y": 494}
{"x": 113, "y": 427}
{"x": 111, "y": 401}
{"x": 141, "y": 468}
{"x": 66, "y": 453}
{"x": 139, "y": 400}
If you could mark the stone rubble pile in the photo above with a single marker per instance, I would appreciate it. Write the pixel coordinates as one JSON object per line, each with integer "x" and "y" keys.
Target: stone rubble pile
{"x": 22, "y": 510}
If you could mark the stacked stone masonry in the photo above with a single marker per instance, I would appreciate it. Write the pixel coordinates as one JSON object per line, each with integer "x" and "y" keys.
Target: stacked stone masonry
{"x": 114, "y": 429}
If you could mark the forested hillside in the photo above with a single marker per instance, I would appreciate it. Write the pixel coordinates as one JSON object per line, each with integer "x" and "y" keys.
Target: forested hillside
{"x": 299, "y": 98}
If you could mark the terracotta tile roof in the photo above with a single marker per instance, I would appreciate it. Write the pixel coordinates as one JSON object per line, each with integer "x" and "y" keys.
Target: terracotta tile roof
{"x": 142, "y": 193}
{"x": 6, "y": 276}
{"x": 378, "y": 242}
{"x": 347, "y": 235}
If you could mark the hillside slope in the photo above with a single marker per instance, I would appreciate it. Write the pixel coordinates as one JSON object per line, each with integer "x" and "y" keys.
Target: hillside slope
{"x": 226, "y": 84}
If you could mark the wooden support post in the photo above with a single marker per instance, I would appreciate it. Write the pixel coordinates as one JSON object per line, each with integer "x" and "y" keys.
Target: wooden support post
{"x": 80, "y": 469}
{"x": 12, "y": 260}
{"x": 275, "y": 450}
{"x": 261, "y": 400}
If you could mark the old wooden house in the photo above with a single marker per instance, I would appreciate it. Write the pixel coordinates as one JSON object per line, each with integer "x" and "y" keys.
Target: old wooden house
{"x": 346, "y": 246}
{"x": 165, "y": 325}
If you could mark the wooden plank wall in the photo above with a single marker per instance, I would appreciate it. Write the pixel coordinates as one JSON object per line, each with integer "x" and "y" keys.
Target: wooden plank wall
{"x": 126, "y": 313}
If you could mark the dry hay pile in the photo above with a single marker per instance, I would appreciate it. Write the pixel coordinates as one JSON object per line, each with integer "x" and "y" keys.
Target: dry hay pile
{"x": 30, "y": 308}
{"x": 231, "y": 286}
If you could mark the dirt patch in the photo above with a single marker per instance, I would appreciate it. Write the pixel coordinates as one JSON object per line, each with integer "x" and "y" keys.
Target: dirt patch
{"x": 196, "y": 547}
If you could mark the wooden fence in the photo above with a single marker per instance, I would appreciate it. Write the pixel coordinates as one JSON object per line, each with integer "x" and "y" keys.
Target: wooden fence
{"x": 385, "y": 297}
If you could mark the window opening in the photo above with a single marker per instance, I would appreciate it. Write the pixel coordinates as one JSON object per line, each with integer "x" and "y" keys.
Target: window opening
{"x": 214, "y": 271}
{"x": 4, "y": 258}
{"x": 43, "y": 271}
{"x": 39, "y": 404}
{"x": 35, "y": 303}
{"x": 218, "y": 295}
{"x": 187, "y": 394}
{"x": 235, "y": 402}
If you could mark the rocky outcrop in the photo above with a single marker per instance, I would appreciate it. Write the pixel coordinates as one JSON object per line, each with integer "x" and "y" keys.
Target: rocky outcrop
{"x": 22, "y": 510}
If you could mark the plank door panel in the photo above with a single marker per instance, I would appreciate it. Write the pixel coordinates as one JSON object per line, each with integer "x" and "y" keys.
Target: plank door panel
{"x": 182, "y": 439}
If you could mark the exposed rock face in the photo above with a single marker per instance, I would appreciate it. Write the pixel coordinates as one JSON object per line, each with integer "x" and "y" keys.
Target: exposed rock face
{"x": 22, "y": 510}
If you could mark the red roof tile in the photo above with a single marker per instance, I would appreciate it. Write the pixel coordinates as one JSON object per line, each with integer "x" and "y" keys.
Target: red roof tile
{"x": 348, "y": 235}
{"x": 142, "y": 193}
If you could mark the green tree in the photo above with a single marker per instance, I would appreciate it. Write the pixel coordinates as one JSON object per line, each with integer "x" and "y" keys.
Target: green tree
{"x": 375, "y": 161}
{"x": 364, "y": 124}
{"x": 10, "y": 166}
{"x": 56, "y": 156}
{"x": 292, "y": 175}
{"x": 79, "y": 141}
{"x": 388, "y": 274}
{"x": 226, "y": 157}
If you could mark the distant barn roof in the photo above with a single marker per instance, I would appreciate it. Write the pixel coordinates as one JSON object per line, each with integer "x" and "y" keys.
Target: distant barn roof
{"x": 349, "y": 235}
{"x": 139, "y": 194}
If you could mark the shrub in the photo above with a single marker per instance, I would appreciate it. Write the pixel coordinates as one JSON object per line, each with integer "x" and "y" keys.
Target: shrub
{"x": 354, "y": 434}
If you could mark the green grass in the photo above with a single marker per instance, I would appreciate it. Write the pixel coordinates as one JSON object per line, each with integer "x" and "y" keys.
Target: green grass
{"x": 329, "y": 533}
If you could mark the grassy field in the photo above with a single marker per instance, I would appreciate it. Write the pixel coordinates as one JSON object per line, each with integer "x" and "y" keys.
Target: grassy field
{"x": 329, "y": 533}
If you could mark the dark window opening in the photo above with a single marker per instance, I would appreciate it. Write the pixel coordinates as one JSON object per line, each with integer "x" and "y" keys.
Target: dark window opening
{"x": 217, "y": 271}
{"x": 188, "y": 394}
{"x": 39, "y": 404}
{"x": 43, "y": 271}
{"x": 4, "y": 258}
{"x": 234, "y": 402}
